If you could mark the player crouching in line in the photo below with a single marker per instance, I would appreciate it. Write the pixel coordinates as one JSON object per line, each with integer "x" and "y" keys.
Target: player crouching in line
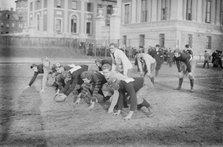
{"x": 129, "y": 86}
{"x": 146, "y": 66}
{"x": 100, "y": 62}
{"x": 72, "y": 79}
{"x": 91, "y": 88}
{"x": 184, "y": 64}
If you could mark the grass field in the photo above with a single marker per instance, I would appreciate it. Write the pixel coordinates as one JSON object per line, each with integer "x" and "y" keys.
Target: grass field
{"x": 180, "y": 118}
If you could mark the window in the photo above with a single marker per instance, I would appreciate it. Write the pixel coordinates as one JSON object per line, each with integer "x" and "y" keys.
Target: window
{"x": 109, "y": 10}
{"x": 58, "y": 3}
{"x": 125, "y": 40}
{"x": 58, "y": 25}
{"x": 45, "y": 3}
{"x": 142, "y": 40}
{"x": 31, "y": 6}
{"x": 208, "y": 46}
{"x": 221, "y": 13}
{"x": 162, "y": 40}
{"x": 89, "y": 7}
{"x": 30, "y": 21}
{"x": 143, "y": 10}
{"x": 2, "y": 24}
{"x": 74, "y": 4}
{"x": 88, "y": 28}
{"x": 44, "y": 22}
{"x": 38, "y": 22}
{"x": 126, "y": 13}
{"x": 108, "y": 14}
{"x": 189, "y": 10}
{"x": 190, "y": 40}
{"x": 38, "y": 4}
{"x": 163, "y": 9}
{"x": 7, "y": 16}
{"x": 13, "y": 25}
{"x": 74, "y": 24}
{"x": 7, "y": 25}
{"x": 208, "y": 11}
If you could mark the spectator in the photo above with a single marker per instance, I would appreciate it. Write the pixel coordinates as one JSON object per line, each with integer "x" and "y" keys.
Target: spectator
{"x": 206, "y": 59}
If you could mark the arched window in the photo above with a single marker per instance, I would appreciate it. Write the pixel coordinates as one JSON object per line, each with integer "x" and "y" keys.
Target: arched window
{"x": 74, "y": 24}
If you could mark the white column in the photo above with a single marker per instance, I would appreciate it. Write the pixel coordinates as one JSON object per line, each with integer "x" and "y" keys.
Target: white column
{"x": 168, "y": 9}
{"x": 115, "y": 26}
{"x": 173, "y": 11}
{"x": 82, "y": 20}
{"x": 199, "y": 10}
{"x": 138, "y": 14}
{"x": 218, "y": 19}
{"x": 176, "y": 10}
{"x": 66, "y": 20}
{"x": 119, "y": 7}
{"x": 203, "y": 10}
{"x": 154, "y": 10}
{"x": 213, "y": 9}
{"x": 149, "y": 9}
{"x": 184, "y": 3}
{"x": 194, "y": 10}
{"x": 99, "y": 23}
{"x": 28, "y": 14}
{"x": 50, "y": 18}
{"x": 133, "y": 11}
{"x": 158, "y": 10}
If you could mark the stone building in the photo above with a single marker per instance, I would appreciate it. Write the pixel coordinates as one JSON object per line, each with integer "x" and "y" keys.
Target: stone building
{"x": 10, "y": 22}
{"x": 169, "y": 23}
{"x": 65, "y": 18}
{"x": 22, "y": 11}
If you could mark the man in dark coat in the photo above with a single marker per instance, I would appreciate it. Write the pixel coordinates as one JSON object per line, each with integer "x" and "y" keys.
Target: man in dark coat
{"x": 184, "y": 64}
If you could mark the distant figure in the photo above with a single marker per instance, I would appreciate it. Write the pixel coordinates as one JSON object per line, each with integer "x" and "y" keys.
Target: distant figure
{"x": 206, "y": 59}
{"x": 157, "y": 53}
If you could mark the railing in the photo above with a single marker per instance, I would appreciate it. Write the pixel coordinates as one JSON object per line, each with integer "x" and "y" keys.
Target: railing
{"x": 99, "y": 48}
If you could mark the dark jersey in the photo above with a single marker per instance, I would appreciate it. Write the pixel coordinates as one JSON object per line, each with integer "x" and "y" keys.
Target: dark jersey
{"x": 184, "y": 57}
{"x": 105, "y": 61}
{"x": 75, "y": 79}
{"x": 39, "y": 71}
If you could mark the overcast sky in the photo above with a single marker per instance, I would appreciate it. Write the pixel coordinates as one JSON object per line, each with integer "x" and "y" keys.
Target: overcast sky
{"x": 7, "y": 4}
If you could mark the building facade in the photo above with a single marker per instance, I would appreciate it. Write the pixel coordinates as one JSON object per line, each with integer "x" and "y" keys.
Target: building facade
{"x": 22, "y": 11}
{"x": 169, "y": 23}
{"x": 64, "y": 18}
{"x": 10, "y": 22}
